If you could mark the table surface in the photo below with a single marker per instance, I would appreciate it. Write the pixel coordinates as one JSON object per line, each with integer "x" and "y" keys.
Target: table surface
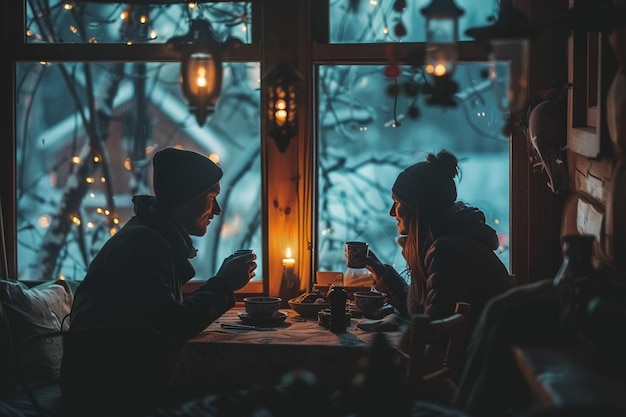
{"x": 567, "y": 377}
{"x": 226, "y": 359}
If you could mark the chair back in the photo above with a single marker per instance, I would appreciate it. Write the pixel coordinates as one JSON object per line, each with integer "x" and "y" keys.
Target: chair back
{"x": 436, "y": 348}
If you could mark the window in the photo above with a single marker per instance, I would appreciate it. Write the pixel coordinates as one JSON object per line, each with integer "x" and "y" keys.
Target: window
{"x": 366, "y": 135}
{"x": 69, "y": 203}
{"x": 116, "y": 57}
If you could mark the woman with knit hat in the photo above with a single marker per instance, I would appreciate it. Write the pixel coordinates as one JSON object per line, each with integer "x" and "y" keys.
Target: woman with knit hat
{"x": 136, "y": 279}
{"x": 448, "y": 247}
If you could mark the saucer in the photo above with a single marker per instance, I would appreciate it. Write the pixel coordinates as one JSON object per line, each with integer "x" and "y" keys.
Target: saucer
{"x": 275, "y": 320}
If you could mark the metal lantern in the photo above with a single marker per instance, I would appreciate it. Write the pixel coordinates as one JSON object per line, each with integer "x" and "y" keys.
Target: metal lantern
{"x": 201, "y": 67}
{"x": 442, "y": 33}
{"x": 508, "y": 54}
{"x": 281, "y": 86}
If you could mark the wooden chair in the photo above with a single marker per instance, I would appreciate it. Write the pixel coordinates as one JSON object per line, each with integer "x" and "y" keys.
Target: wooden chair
{"x": 441, "y": 341}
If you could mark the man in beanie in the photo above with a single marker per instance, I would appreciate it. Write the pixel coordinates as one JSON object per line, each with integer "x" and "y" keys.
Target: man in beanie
{"x": 136, "y": 280}
{"x": 448, "y": 247}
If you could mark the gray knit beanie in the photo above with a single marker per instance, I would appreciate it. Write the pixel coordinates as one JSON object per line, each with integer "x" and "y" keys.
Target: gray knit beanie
{"x": 428, "y": 186}
{"x": 179, "y": 176}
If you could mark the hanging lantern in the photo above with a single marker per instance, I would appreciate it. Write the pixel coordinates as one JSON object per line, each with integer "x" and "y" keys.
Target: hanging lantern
{"x": 201, "y": 66}
{"x": 281, "y": 87}
{"x": 442, "y": 33}
{"x": 508, "y": 41}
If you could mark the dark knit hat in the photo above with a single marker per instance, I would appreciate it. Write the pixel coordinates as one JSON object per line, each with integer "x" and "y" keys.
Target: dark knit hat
{"x": 428, "y": 186}
{"x": 180, "y": 176}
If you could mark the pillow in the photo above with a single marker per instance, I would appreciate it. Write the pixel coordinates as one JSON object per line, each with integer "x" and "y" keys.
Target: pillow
{"x": 30, "y": 312}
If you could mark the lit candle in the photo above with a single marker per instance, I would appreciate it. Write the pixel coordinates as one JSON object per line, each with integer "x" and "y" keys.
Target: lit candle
{"x": 288, "y": 262}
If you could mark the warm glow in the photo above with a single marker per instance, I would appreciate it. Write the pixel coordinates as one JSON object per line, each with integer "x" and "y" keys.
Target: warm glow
{"x": 440, "y": 70}
{"x": 127, "y": 164}
{"x": 76, "y": 160}
{"x": 288, "y": 261}
{"x": 44, "y": 221}
{"x": 201, "y": 78}
{"x": 124, "y": 15}
{"x": 89, "y": 180}
{"x": 281, "y": 117}
{"x": 76, "y": 220}
{"x": 143, "y": 19}
{"x": 96, "y": 158}
{"x": 214, "y": 157}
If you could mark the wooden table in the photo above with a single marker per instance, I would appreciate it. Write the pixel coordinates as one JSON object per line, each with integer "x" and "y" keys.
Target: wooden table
{"x": 567, "y": 377}
{"x": 221, "y": 359}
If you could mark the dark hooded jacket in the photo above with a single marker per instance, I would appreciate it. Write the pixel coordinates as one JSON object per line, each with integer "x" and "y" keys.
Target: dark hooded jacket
{"x": 136, "y": 279}
{"x": 460, "y": 265}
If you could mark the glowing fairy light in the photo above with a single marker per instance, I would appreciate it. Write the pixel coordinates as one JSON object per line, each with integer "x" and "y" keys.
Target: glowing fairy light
{"x": 90, "y": 225}
{"x": 214, "y": 157}
{"x": 100, "y": 210}
{"x": 44, "y": 221}
{"x": 128, "y": 164}
{"x": 76, "y": 159}
{"x": 96, "y": 158}
{"x": 68, "y": 6}
{"x": 89, "y": 180}
{"x": 103, "y": 180}
{"x": 75, "y": 219}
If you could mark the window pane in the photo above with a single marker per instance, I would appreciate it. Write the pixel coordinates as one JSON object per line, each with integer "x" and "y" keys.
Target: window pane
{"x": 361, "y": 153}
{"x": 366, "y": 21}
{"x": 67, "y": 205}
{"x": 59, "y": 21}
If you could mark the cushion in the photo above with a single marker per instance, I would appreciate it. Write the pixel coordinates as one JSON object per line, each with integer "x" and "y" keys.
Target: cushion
{"x": 31, "y": 312}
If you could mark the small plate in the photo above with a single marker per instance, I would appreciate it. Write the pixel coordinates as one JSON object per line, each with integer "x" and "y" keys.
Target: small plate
{"x": 275, "y": 320}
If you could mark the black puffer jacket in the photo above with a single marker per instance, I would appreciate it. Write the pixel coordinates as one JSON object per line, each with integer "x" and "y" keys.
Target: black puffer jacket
{"x": 138, "y": 275}
{"x": 133, "y": 289}
{"x": 460, "y": 265}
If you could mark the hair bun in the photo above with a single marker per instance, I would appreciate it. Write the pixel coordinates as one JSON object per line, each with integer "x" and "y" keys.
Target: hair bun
{"x": 447, "y": 161}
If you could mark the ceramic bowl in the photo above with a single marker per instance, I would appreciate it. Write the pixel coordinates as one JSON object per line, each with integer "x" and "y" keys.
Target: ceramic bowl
{"x": 259, "y": 306}
{"x": 369, "y": 300}
{"x": 309, "y": 304}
